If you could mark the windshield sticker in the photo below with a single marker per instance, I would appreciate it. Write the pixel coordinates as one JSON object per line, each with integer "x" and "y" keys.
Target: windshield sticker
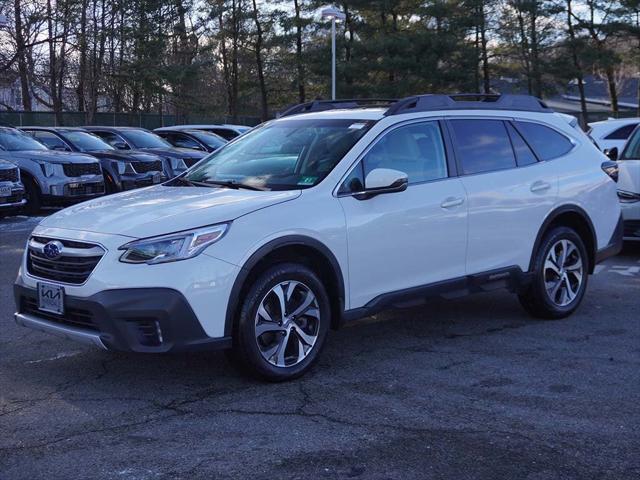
{"x": 307, "y": 180}
{"x": 357, "y": 126}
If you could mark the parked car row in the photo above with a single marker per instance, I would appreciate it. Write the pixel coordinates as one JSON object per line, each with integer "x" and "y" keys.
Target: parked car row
{"x": 49, "y": 166}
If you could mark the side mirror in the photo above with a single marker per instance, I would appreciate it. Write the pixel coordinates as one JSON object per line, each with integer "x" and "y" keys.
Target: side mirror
{"x": 383, "y": 180}
{"x": 60, "y": 148}
{"x": 120, "y": 145}
{"x": 612, "y": 153}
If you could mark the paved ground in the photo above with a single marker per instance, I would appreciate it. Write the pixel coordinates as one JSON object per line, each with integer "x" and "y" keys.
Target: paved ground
{"x": 464, "y": 389}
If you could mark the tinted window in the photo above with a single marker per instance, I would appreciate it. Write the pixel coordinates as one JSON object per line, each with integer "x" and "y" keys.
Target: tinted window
{"x": 182, "y": 141}
{"x": 86, "y": 142}
{"x": 50, "y": 140}
{"x": 111, "y": 138}
{"x": 354, "y": 181}
{"x": 225, "y": 133}
{"x": 415, "y": 149}
{"x": 482, "y": 145}
{"x": 144, "y": 139}
{"x": 524, "y": 155}
{"x": 621, "y": 133}
{"x": 546, "y": 142}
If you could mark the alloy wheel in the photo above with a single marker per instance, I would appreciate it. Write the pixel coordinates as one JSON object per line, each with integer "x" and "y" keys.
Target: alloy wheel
{"x": 287, "y": 323}
{"x": 563, "y": 272}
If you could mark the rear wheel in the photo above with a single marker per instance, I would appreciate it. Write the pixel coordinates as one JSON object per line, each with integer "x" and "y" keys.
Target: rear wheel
{"x": 32, "y": 195}
{"x": 283, "y": 323}
{"x": 561, "y": 270}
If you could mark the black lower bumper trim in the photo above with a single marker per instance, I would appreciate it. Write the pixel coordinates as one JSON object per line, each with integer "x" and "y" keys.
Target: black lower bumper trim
{"x": 615, "y": 244}
{"x": 153, "y": 320}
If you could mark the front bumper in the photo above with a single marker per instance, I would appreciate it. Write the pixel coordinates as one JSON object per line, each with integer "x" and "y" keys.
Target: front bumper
{"x": 150, "y": 320}
{"x": 15, "y": 200}
{"x": 70, "y": 189}
{"x": 139, "y": 180}
{"x": 615, "y": 244}
{"x": 631, "y": 215}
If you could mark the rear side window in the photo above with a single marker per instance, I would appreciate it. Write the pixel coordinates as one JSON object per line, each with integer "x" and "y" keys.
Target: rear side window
{"x": 545, "y": 142}
{"x": 621, "y": 133}
{"x": 524, "y": 155}
{"x": 482, "y": 145}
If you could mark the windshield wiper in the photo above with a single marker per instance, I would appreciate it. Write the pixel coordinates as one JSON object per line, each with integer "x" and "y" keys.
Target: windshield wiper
{"x": 190, "y": 183}
{"x": 231, "y": 184}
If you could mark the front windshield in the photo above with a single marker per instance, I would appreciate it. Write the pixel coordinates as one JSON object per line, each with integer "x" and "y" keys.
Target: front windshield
{"x": 86, "y": 142}
{"x": 15, "y": 141}
{"x": 144, "y": 139}
{"x": 282, "y": 155}
{"x": 210, "y": 139}
{"x": 632, "y": 149}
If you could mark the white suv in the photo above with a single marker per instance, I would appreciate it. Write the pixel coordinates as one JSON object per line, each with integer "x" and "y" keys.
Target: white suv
{"x": 330, "y": 213}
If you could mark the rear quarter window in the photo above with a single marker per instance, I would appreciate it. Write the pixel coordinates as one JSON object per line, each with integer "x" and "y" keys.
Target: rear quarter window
{"x": 621, "y": 133}
{"x": 545, "y": 142}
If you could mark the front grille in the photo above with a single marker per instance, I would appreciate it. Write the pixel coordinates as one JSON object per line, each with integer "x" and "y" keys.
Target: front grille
{"x": 74, "y": 265}
{"x": 632, "y": 228}
{"x": 148, "y": 331}
{"x": 190, "y": 162}
{"x": 9, "y": 175}
{"x": 83, "y": 189}
{"x": 73, "y": 317}
{"x": 79, "y": 169}
{"x": 144, "y": 167}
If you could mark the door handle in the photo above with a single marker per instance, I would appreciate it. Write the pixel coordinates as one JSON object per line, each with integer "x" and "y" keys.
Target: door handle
{"x": 540, "y": 186}
{"x": 451, "y": 202}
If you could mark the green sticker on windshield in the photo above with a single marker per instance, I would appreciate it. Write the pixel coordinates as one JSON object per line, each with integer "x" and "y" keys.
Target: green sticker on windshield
{"x": 307, "y": 180}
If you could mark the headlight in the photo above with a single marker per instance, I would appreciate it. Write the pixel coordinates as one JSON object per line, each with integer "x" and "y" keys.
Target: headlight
{"x": 124, "y": 168}
{"x": 48, "y": 169}
{"x": 177, "y": 164}
{"x": 173, "y": 247}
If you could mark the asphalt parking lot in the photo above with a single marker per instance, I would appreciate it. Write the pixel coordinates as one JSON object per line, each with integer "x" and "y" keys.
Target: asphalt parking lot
{"x": 461, "y": 389}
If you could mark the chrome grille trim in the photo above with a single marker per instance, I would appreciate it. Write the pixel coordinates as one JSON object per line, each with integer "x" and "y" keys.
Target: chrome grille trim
{"x": 74, "y": 265}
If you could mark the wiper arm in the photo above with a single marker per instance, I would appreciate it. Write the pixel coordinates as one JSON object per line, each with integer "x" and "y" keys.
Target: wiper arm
{"x": 191, "y": 183}
{"x": 232, "y": 184}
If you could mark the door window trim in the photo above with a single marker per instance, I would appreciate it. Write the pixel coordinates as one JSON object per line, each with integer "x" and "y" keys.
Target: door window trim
{"x": 452, "y": 170}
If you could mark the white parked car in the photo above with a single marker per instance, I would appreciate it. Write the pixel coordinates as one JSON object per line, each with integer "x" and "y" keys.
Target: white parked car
{"x": 613, "y": 133}
{"x": 318, "y": 218}
{"x": 629, "y": 186}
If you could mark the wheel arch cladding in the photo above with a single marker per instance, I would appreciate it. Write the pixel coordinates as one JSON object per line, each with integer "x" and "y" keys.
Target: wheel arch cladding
{"x": 293, "y": 248}
{"x": 575, "y": 218}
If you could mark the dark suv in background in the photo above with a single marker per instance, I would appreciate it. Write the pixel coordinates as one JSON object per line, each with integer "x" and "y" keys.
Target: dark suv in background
{"x": 177, "y": 160}
{"x": 123, "y": 170}
{"x": 11, "y": 189}
{"x": 194, "y": 139}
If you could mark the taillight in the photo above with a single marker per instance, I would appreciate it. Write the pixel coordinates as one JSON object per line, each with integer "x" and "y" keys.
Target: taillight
{"x": 611, "y": 169}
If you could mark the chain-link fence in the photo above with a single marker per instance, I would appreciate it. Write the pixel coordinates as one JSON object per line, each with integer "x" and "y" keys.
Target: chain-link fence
{"x": 145, "y": 120}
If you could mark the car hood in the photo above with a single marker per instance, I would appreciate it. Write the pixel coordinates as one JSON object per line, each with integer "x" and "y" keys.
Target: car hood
{"x": 5, "y": 165}
{"x": 176, "y": 152}
{"x": 125, "y": 156}
{"x": 160, "y": 210}
{"x": 50, "y": 156}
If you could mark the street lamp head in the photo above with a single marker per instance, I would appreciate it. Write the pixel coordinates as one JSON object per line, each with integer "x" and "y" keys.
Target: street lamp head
{"x": 333, "y": 13}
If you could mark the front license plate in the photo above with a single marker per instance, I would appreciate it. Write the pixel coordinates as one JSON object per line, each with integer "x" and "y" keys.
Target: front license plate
{"x": 157, "y": 177}
{"x": 51, "y": 298}
{"x": 5, "y": 190}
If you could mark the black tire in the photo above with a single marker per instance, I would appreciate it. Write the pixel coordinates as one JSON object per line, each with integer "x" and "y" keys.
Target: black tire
{"x": 110, "y": 186}
{"x": 32, "y": 195}
{"x": 246, "y": 351}
{"x": 536, "y": 300}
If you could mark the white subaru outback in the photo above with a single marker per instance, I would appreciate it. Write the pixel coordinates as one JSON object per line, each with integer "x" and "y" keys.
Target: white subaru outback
{"x": 332, "y": 212}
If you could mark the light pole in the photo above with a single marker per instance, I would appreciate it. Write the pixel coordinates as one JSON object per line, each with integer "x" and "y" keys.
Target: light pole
{"x": 336, "y": 16}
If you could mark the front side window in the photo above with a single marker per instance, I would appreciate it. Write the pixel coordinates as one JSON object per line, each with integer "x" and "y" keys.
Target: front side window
{"x": 144, "y": 139}
{"x": 632, "y": 149}
{"x": 545, "y": 142}
{"x": 416, "y": 149}
{"x": 86, "y": 142}
{"x": 15, "y": 141}
{"x": 482, "y": 145}
{"x": 282, "y": 155}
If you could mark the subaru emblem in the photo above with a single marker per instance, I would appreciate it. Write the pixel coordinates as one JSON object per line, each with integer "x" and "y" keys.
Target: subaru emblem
{"x": 53, "y": 249}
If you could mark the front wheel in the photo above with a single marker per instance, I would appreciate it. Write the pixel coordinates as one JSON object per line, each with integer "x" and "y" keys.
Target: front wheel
{"x": 561, "y": 270}
{"x": 283, "y": 323}
{"x": 33, "y": 196}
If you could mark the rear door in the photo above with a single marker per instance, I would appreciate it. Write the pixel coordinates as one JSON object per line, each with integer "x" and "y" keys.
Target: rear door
{"x": 407, "y": 239}
{"x": 509, "y": 190}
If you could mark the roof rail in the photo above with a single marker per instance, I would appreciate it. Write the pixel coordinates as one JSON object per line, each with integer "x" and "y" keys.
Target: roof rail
{"x": 322, "y": 105}
{"x": 468, "y": 101}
